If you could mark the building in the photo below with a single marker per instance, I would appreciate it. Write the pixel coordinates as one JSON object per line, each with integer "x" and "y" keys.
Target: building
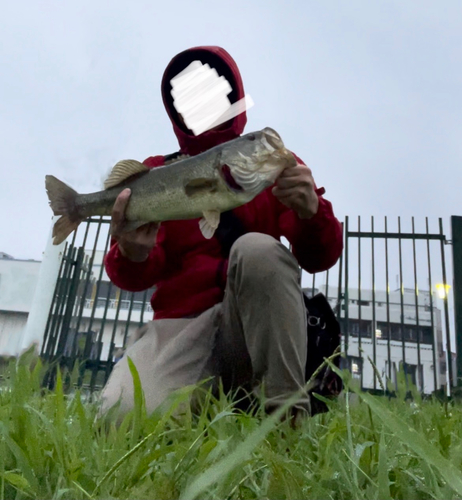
{"x": 101, "y": 304}
{"x": 387, "y": 329}
{"x": 18, "y": 279}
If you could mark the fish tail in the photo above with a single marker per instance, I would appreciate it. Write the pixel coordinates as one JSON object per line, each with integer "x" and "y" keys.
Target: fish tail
{"x": 62, "y": 202}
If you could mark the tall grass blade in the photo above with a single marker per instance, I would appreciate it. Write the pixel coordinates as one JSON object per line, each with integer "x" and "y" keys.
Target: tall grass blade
{"x": 416, "y": 442}
{"x": 21, "y": 459}
{"x": 174, "y": 402}
{"x": 139, "y": 402}
{"x": 383, "y": 492}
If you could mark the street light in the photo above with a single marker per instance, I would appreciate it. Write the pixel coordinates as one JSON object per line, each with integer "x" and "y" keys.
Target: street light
{"x": 443, "y": 293}
{"x": 443, "y": 290}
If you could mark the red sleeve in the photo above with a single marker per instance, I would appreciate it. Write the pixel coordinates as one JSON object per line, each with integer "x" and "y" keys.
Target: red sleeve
{"x": 138, "y": 276}
{"x": 317, "y": 243}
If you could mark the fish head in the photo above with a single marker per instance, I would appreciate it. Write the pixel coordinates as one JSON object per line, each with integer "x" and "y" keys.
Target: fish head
{"x": 254, "y": 161}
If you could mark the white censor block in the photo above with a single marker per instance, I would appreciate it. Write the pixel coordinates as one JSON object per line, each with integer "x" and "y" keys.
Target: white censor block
{"x": 200, "y": 96}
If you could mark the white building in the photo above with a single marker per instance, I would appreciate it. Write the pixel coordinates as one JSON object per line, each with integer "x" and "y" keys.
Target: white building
{"x": 18, "y": 283}
{"x": 389, "y": 329}
{"x": 18, "y": 279}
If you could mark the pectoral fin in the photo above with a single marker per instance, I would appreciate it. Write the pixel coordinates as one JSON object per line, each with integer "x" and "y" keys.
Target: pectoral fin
{"x": 200, "y": 186}
{"x": 209, "y": 223}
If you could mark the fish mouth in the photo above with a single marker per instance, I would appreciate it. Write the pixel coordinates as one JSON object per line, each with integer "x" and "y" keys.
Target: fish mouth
{"x": 229, "y": 179}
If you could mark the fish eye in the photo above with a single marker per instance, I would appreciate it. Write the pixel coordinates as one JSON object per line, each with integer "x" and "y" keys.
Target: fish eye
{"x": 251, "y": 137}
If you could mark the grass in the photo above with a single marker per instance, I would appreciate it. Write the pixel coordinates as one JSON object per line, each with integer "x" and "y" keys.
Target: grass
{"x": 54, "y": 445}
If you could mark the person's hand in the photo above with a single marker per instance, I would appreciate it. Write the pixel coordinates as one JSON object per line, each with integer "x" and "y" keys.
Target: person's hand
{"x": 134, "y": 245}
{"x": 295, "y": 189}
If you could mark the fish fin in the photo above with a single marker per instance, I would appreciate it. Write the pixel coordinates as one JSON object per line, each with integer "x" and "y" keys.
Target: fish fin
{"x": 62, "y": 202}
{"x": 122, "y": 170}
{"x": 199, "y": 186}
{"x": 209, "y": 223}
{"x": 63, "y": 228}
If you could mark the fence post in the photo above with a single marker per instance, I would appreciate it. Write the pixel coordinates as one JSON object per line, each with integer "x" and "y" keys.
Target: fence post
{"x": 456, "y": 230}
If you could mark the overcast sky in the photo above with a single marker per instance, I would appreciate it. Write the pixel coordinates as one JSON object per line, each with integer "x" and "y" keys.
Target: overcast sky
{"x": 367, "y": 93}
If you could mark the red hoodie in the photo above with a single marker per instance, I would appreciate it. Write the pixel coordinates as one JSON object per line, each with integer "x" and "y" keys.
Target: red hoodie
{"x": 188, "y": 270}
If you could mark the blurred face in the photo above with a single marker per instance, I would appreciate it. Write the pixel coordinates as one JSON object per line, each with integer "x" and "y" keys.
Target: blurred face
{"x": 223, "y": 126}
{"x": 200, "y": 97}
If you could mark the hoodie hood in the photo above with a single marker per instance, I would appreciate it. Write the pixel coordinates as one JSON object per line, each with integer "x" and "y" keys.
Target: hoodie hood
{"x": 225, "y": 66}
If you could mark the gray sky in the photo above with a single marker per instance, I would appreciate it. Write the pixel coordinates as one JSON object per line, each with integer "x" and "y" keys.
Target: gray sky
{"x": 367, "y": 93}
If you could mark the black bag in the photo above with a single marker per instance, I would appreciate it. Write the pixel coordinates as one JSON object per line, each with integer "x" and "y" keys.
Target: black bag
{"x": 323, "y": 340}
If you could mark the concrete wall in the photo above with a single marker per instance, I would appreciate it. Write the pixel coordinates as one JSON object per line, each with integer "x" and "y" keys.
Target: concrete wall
{"x": 18, "y": 279}
{"x": 11, "y": 326}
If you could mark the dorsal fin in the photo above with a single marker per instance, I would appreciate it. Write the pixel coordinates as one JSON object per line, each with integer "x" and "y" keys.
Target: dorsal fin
{"x": 122, "y": 170}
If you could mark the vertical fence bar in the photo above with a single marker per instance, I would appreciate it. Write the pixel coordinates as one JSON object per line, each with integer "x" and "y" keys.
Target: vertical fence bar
{"x": 99, "y": 338}
{"x": 420, "y": 372}
{"x": 401, "y": 288}
{"x": 106, "y": 307}
{"x": 374, "y": 323}
{"x": 111, "y": 345}
{"x": 87, "y": 280}
{"x": 387, "y": 280}
{"x": 432, "y": 323}
{"x": 95, "y": 302}
{"x": 327, "y": 285}
{"x": 360, "y": 350}
{"x": 340, "y": 271}
{"x": 456, "y": 232}
{"x": 347, "y": 284}
{"x": 57, "y": 305}
{"x": 127, "y": 324}
{"x": 64, "y": 294}
{"x": 143, "y": 308}
{"x": 338, "y": 307}
{"x": 446, "y": 309}
{"x": 70, "y": 303}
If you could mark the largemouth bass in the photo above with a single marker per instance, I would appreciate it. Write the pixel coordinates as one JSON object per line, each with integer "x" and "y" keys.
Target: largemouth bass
{"x": 220, "y": 179}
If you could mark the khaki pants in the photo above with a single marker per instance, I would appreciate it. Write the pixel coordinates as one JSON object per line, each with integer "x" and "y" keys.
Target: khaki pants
{"x": 257, "y": 334}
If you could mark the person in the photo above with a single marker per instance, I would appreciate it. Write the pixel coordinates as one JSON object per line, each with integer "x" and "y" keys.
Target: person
{"x": 229, "y": 307}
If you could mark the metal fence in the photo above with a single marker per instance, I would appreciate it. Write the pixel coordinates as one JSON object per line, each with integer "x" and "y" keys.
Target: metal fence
{"x": 386, "y": 328}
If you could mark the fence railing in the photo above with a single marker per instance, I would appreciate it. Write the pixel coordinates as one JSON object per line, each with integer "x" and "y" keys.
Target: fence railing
{"x": 395, "y": 324}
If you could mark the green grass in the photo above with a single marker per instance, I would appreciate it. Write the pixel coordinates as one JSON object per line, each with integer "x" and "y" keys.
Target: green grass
{"x": 55, "y": 446}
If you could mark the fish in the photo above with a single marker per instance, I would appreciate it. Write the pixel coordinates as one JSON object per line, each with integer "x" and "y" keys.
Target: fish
{"x": 202, "y": 186}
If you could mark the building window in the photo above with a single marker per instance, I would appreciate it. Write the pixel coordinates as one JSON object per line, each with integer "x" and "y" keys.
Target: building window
{"x": 360, "y": 327}
{"x": 354, "y": 327}
{"x": 365, "y": 328}
{"x": 355, "y": 365}
{"x": 426, "y": 335}
{"x": 414, "y": 374}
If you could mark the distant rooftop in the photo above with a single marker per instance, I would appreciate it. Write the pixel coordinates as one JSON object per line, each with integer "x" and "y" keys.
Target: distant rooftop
{"x": 6, "y": 256}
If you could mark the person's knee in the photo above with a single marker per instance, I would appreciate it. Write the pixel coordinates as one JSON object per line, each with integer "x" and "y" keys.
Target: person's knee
{"x": 257, "y": 251}
{"x": 254, "y": 246}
